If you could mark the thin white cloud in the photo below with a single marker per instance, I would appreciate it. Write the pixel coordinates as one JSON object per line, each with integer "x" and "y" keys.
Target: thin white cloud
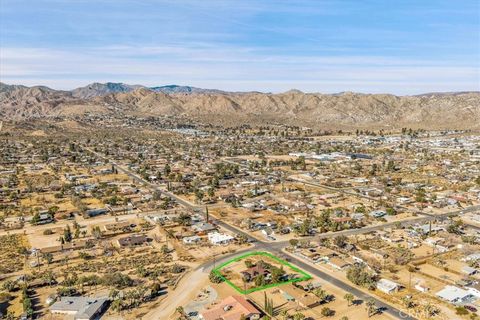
{"x": 232, "y": 68}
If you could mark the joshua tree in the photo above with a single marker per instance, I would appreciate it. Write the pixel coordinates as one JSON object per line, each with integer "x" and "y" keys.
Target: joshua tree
{"x": 408, "y": 302}
{"x": 327, "y": 312}
{"x": 298, "y": 316}
{"x": 48, "y": 257}
{"x": 321, "y": 294}
{"x": 181, "y": 312}
{"x": 349, "y": 298}
{"x": 371, "y": 308}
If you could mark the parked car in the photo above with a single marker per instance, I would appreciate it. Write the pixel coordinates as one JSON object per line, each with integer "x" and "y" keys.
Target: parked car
{"x": 471, "y": 308}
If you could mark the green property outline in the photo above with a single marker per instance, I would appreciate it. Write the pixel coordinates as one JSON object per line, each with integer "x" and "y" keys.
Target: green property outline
{"x": 216, "y": 271}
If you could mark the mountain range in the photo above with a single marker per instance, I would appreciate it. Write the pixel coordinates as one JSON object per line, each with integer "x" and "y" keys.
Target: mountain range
{"x": 458, "y": 110}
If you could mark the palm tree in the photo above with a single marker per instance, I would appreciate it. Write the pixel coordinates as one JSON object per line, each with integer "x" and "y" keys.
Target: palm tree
{"x": 349, "y": 298}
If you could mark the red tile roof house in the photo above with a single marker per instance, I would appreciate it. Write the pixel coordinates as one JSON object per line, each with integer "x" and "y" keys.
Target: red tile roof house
{"x": 231, "y": 308}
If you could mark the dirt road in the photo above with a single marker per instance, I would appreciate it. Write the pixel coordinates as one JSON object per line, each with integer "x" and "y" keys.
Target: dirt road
{"x": 188, "y": 286}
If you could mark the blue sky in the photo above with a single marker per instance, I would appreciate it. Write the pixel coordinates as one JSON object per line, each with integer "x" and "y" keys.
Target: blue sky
{"x": 401, "y": 47}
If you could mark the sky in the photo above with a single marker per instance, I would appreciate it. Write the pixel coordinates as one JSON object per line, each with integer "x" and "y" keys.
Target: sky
{"x": 373, "y": 46}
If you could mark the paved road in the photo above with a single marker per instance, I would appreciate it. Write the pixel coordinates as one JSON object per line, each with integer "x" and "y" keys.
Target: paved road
{"x": 276, "y": 247}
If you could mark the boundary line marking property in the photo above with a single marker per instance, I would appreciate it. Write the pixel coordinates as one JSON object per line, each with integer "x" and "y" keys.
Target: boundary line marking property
{"x": 217, "y": 271}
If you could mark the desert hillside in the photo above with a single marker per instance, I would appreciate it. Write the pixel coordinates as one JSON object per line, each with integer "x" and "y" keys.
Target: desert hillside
{"x": 433, "y": 110}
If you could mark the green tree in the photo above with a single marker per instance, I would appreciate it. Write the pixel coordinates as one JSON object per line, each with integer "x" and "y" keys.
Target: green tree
{"x": 181, "y": 312}
{"x": 67, "y": 234}
{"x": 321, "y": 294}
{"x": 349, "y": 298}
{"x": 9, "y": 285}
{"x": 340, "y": 241}
{"x": 327, "y": 312}
{"x": 370, "y": 307}
{"x": 215, "y": 278}
{"x": 298, "y": 316}
{"x": 360, "y": 276}
{"x": 461, "y": 311}
{"x": 97, "y": 233}
{"x": 408, "y": 302}
{"x": 259, "y": 280}
{"x": 293, "y": 242}
{"x": 277, "y": 274}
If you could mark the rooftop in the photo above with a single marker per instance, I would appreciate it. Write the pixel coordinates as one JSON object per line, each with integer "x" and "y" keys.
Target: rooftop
{"x": 81, "y": 307}
{"x": 231, "y": 308}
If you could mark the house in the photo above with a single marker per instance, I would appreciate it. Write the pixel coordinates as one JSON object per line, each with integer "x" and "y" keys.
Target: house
{"x": 421, "y": 287}
{"x": 433, "y": 241}
{"x": 94, "y": 212}
{"x": 253, "y": 272}
{"x": 454, "y": 294}
{"x": 474, "y": 290}
{"x": 473, "y": 257}
{"x": 217, "y": 238}
{"x": 117, "y": 226}
{"x": 308, "y": 285}
{"x": 192, "y": 240}
{"x": 304, "y": 299}
{"x": 338, "y": 263}
{"x": 203, "y": 228}
{"x": 80, "y": 308}
{"x": 268, "y": 232}
{"x": 231, "y": 308}
{"x": 133, "y": 240}
{"x": 387, "y": 286}
{"x": 377, "y": 213}
{"x": 427, "y": 228}
{"x": 69, "y": 246}
{"x": 469, "y": 270}
{"x": 44, "y": 218}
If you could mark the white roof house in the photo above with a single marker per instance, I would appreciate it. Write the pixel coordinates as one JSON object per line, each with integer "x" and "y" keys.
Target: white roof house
{"x": 469, "y": 270}
{"x": 474, "y": 290}
{"x": 79, "y": 308}
{"x": 453, "y": 294}
{"x": 473, "y": 257}
{"x": 421, "y": 287}
{"x": 219, "y": 238}
{"x": 387, "y": 286}
{"x": 191, "y": 240}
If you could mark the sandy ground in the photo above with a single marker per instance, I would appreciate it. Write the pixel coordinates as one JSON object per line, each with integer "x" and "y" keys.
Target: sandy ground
{"x": 186, "y": 290}
{"x": 29, "y": 230}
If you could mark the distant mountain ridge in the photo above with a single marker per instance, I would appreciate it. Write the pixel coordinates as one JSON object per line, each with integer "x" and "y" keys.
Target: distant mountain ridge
{"x": 101, "y": 89}
{"x": 346, "y": 109}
